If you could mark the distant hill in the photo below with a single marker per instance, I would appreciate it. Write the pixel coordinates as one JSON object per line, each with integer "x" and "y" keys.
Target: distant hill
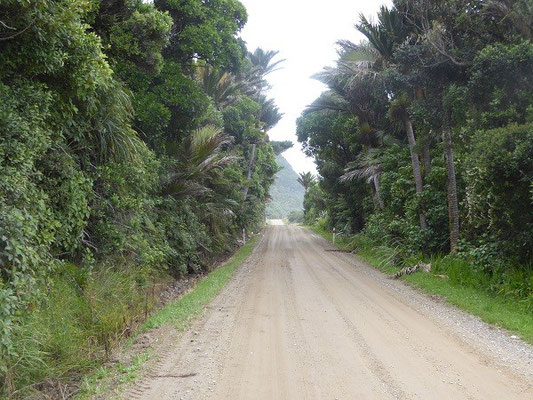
{"x": 287, "y": 194}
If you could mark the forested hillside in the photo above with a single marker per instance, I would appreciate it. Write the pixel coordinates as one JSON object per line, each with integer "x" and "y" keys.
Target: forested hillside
{"x": 133, "y": 148}
{"x": 424, "y": 141}
{"x": 287, "y": 194}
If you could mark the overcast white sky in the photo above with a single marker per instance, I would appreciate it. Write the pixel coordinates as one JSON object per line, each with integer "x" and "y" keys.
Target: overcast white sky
{"x": 304, "y": 32}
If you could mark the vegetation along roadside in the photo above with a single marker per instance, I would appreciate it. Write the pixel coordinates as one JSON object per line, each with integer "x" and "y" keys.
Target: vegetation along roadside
{"x": 423, "y": 143}
{"x": 130, "y": 157}
{"x": 178, "y": 314}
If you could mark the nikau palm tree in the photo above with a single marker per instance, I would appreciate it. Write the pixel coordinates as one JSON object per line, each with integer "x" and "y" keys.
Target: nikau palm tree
{"x": 345, "y": 96}
{"x": 368, "y": 60}
{"x": 453, "y": 206}
{"x": 262, "y": 65}
{"x": 270, "y": 116}
{"x": 222, "y": 87}
{"x": 306, "y": 179}
{"x": 368, "y": 167}
{"x": 398, "y": 112}
{"x": 200, "y": 161}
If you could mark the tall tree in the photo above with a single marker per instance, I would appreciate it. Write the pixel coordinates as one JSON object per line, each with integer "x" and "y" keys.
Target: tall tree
{"x": 262, "y": 64}
{"x": 389, "y": 32}
{"x": 306, "y": 179}
{"x": 270, "y": 116}
{"x": 398, "y": 112}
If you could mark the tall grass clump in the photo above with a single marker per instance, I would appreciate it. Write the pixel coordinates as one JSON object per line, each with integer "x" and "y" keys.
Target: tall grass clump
{"x": 75, "y": 328}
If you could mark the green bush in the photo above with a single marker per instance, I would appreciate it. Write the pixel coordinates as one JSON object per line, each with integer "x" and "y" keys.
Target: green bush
{"x": 498, "y": 178}
{"x": 100, "y": 109}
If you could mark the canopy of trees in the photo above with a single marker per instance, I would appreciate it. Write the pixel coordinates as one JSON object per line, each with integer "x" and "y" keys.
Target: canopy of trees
{"x": 133, "y": 136}
{"x": 424, "y": 138}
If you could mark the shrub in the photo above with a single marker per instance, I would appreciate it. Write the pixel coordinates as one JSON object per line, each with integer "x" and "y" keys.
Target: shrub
{"x": 498, "y": 177}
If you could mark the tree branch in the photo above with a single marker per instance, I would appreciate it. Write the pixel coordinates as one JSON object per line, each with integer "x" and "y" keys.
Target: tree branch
{"x": 15, "y": 34}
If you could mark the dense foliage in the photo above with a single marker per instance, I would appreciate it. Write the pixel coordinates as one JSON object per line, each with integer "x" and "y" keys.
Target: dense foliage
{"x": 424, "y": 137}
{"x": 134, "y": 145}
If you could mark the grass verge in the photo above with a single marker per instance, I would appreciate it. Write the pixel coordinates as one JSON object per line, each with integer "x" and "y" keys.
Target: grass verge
{"x": 189, "y": 307}
{"x": 467, "y": 294}
{"x": 179, "y": 314}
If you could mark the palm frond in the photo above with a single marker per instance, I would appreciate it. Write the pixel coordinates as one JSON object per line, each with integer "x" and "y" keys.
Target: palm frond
{"x": 306, "y": 179}
{"x": 221, "y": 86}
{"x": 368, "y": 166}
{"x": 357, "y": 52}
{"x": 112, "y": 137}
{"x": 262, "y": 64}
{"x": 263, "y": 61}
{"x": 270, "y": 114}
{"x": 386, "y": 33}
{"x": 203, "y": 159}
{"x": 328, "y": 101}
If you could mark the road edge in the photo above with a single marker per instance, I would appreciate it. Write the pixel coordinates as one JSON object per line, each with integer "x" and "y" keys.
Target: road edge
{"x": 178, "y": 315}
{"x": 452, "y": 299}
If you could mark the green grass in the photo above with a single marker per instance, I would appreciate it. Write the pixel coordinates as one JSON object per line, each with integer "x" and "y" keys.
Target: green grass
{"x": 98, "y": 382}
{"x": 179, "y": 314}
{"x": 491, "y": 309}
{"x": 190, "y": 306}
{"x": 463, "y": 288}
{"x": 67, "y": 335}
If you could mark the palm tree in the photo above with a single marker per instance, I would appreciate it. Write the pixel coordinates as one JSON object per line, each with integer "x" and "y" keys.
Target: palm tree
{"x": 348, "y": 94}
{"x": 201, "y": 160}
{"x": 263, "y": 59}
{"x": 306, "y": 179}
{"x": 453, "y": 207}
{"x": 262, "y": 64}
{"x": 270, "y": 116}
{"x": 398, "y": 112}
{"x": 383, "y": 36}
{"x": 352, "y": 91}
{"x": 368, "y": 167}
{"x": 221, "y": 86}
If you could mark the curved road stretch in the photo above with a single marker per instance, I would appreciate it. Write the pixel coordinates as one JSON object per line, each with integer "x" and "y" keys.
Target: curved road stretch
{"x": 300, "y": 322}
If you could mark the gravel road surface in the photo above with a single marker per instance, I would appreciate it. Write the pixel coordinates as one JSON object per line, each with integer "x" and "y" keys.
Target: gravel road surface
{"x": 301, "y": 322}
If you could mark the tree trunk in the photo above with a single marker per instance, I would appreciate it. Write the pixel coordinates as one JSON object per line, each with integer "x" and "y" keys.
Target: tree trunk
{"x": 249, "y": 172}
{"x": 416, "y": 167}
{"x": 453, "y": 208}
{"x": 374, "y": 198}
{"x": 427, "y": 158}
{"x": 379, "y": 200}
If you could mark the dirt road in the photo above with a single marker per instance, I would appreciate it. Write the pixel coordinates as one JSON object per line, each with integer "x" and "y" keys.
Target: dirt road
{"x": 301, "y": 322}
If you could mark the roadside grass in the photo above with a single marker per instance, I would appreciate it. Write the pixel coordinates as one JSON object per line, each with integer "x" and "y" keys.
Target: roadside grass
{"x": 189, "y": 307}
{"x": 453, "y": 280}
{"x": 179, "y": 314}
{"x": 73, "y": 331}
{"x": 98, "y": 382}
